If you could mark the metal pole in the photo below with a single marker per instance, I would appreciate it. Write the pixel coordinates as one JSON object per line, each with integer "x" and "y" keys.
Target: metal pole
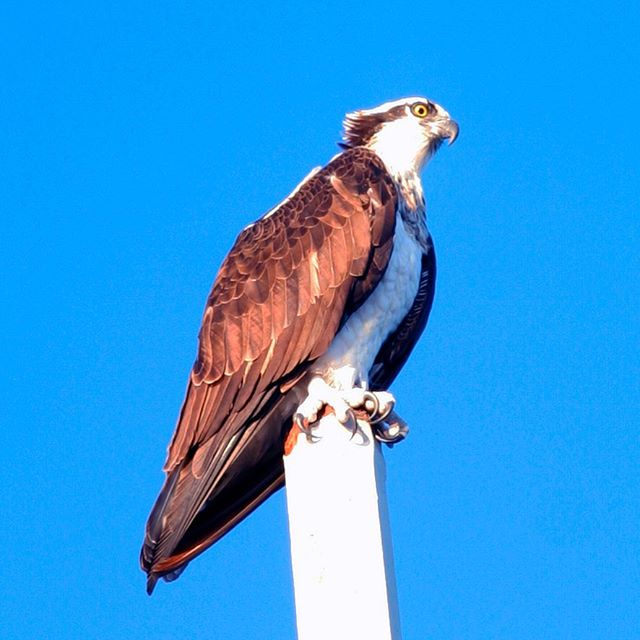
{"x": 341, "y": 550}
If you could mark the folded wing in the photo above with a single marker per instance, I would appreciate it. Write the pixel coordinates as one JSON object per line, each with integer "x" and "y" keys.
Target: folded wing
{"x": 281, "y": 295}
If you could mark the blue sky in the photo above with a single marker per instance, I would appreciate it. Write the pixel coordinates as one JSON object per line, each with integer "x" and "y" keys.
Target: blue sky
{"x": 139, "y": 138}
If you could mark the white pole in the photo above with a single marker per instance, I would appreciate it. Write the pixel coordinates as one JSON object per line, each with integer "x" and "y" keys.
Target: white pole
{"x": 341, "y": 549}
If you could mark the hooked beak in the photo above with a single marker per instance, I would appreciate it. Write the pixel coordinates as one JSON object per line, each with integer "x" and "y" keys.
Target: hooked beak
{"x": 451, "y": 131}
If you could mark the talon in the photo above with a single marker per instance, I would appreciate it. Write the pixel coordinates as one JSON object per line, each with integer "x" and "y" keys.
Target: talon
{"x": 384, "y": 415}
{"x": 348, "y": 404}
{"x": 351, "y": 423}
{"x": 371, "y": 399}
{"x": 303, "y": 424}
{"x": 375, "y": 415}
{"x": 393, "y": 432}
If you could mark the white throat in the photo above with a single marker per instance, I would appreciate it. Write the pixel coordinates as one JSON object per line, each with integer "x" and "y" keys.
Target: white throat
{"x": 401, "y": 145}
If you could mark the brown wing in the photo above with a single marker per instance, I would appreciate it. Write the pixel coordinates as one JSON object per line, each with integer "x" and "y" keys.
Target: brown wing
{"x": 281, "y": 295}
{"x": 399, "y": 345}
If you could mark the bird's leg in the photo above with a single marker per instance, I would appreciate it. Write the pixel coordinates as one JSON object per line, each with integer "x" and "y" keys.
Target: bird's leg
{"x": 375, "y": 405}
{"x": 387, "y": 425}
{"x": 391, "y": 429}
{"x": 303, "y": 426}
{"x": 319, "y": 396}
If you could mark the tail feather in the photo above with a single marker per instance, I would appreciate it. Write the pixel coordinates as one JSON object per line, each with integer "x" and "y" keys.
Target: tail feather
{"x": 196, "y": 509}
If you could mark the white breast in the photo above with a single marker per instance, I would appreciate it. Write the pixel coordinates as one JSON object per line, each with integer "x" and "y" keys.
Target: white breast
{"x": 352, "y": 352}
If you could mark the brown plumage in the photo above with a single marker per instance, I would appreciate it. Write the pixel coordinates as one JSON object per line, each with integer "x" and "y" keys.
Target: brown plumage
{"x": 361, "y": 126}
{"x": 281, "y": 295}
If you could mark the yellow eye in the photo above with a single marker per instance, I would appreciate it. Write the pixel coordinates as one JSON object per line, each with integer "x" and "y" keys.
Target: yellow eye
{"x": 420, "y": 109}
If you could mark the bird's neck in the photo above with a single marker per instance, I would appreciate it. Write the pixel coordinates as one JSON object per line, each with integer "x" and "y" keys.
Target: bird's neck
{"x": 409, "y": 186}
{"x": 404, "y": 155}
{"x": 411, "y": 204}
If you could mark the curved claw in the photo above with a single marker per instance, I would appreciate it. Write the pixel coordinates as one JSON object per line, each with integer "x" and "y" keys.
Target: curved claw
{"x": 375, "y": 417}
{"x": 301, "y": 422}
{"x": 393, "y": 432}
{"x": 389, "y": 436}
{"x": 367, "y": 396}
{"x": 351, "y": 423}
{"x": 383, "y": 416}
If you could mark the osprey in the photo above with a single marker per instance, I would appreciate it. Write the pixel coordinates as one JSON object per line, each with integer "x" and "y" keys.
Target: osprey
{"x": 318, "y": 304}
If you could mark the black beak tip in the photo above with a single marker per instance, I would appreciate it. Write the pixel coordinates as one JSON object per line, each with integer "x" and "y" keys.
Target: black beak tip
{"x": 454, "y": 129}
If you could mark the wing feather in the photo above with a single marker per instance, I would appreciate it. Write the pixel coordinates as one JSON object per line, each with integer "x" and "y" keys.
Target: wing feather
{"x": 278, "y": 300}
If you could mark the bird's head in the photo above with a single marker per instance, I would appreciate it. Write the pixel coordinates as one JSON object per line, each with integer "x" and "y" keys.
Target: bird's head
{"x": 404, "y": 133}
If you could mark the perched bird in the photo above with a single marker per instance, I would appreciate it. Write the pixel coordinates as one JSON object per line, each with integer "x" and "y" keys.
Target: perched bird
{"x": 319, "y": 303}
